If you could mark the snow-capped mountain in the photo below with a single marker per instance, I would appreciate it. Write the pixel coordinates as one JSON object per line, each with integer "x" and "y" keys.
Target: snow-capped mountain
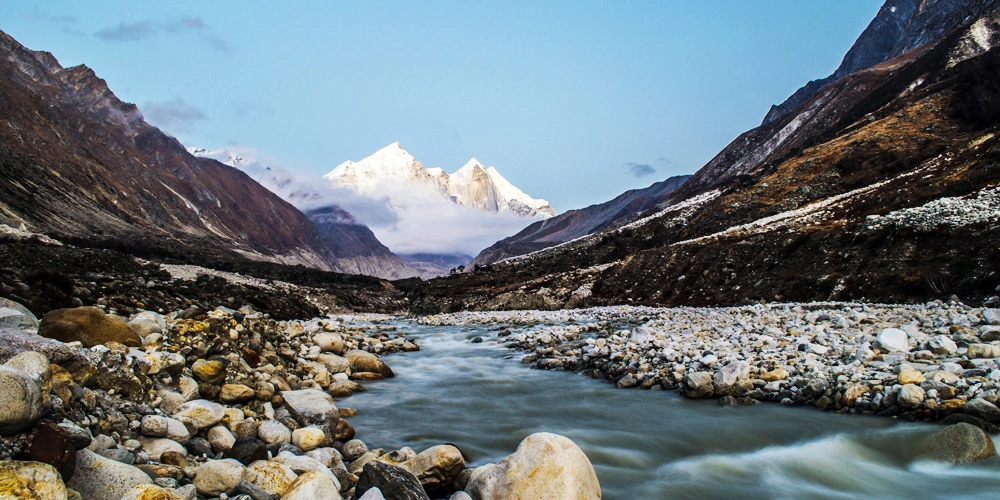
{"x": 474, "y": 185}
{"x": 356, "y": 250}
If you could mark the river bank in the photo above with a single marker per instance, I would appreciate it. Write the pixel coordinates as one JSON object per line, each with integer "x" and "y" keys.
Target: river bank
{"x": 933, "y": 361}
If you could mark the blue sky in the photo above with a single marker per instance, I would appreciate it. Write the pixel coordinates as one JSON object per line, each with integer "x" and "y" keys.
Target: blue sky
{"x": 574, "y": 102}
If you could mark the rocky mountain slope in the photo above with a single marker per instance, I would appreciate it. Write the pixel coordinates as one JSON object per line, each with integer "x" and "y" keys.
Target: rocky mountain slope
{"x": 882, "y": 186}
{"x": 574, "y": 224}
{"x": 899, "y": 27}
{"x": 473, "y": 185}
{"x": 355, "y": 247}
{"x": 78, "y": 164}
{"x": 431, "y": 265}
{"x": 356, "y": 250}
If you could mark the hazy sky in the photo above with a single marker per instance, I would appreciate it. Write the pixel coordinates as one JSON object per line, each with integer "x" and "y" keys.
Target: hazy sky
{"x": 574, "y": 102}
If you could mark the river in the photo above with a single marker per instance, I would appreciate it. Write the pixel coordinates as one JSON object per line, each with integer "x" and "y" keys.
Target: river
{"x": 647, "y": 444}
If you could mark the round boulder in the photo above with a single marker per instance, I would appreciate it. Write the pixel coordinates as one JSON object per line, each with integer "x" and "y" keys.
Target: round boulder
{"x": 22, "y": 400}
{"x": 99, "y": 478}
{"x": 218, "y": 476}
{"x": 30, "y": 480}
{"x": 363, "y": 361}
{"x": 312, "y": 485}
{"x": 960, "y": 444}
{"x": 87, "y": 325}
{"x": 544, "y": 466}
{"x": 271, "y": 477}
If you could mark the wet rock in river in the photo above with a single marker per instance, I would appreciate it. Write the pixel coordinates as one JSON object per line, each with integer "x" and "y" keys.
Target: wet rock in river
{"x": 544, "y": 466}
{"x": 959, "y": 444}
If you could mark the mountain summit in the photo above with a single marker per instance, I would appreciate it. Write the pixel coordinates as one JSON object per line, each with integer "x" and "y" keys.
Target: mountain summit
{"x": 474, "y": 185}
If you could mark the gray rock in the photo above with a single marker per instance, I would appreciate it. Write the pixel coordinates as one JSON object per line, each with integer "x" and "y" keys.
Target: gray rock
{"x": 22, "y": 400}
{"x": 942, "y": 345}
{"x": 147, "y": 322}
{"x": 200, "y": 413}
{"x": 274, "y": 432}
{"x": 978, "y": 351}
{"x": 727, "y": 376}
{"x": 910, "y": 396}
{"x": 156, "y": 447}
{"x": 991, "y": 316}
{"x": 153, "y": 426}
{"x": 17, "y": 319}
{"x": 353, "y": 449}
{"x": 391, "y": 481}
{"x": 14, "y": 342}
{"x": 118, "y": 455}
{"x": 311, "y": 407}
{"x": 983, "y": 409}
{"x": 99, "y": 478}
{"x": 892, "y": 340}
{"x": 372, "y": 494}
{"x": 215, "y": 477}
{"x": 698, "y": 385}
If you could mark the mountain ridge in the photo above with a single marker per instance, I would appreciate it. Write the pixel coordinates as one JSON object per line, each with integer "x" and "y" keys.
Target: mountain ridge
{"x": 82, "y": 166}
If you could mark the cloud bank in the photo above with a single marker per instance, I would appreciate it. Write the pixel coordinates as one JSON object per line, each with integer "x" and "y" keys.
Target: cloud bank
{"x": 407, "y": 219}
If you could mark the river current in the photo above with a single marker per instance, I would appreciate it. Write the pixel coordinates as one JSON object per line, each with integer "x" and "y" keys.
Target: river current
{"x": 647, "y": 444}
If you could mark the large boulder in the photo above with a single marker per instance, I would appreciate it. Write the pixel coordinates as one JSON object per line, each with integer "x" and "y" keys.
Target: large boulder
{"x": 215, "y": 477}
{"x": 977, "y": 351}
{"x": 145, "y": 323}
{"x": 698, "y": 385}
{"x": 312, "y": 485}
{"x": 87, "y": 325}
{"x": 14, "y": 342}
{"x": 363, "y": 361}
{"x": 727, "y": 376}
{"x": 435, "y": 466}
{"x": 200, "y": 413}
{"x": 30, "y": 480}
{"x": 99, "y": 478}
{"x": 271, "y": 477}
{"x": 24, "y": 380}
{"x": 311, "y": 407}
{"x": 391, "y": 481}
{"x": 329, "y": 342}
{"x": 544, "y": 467}
{"x": 960, "y": 444}
{"x": 16, "y": 316}
{"x": 983, "y": 409}
{"x": 892, "y": 340}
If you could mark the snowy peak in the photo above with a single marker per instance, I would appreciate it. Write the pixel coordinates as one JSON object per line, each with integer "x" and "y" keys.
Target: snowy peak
{"x": 474, "y": 185}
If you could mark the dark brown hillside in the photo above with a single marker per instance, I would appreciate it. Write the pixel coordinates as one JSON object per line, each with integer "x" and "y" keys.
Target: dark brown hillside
{"x": 79, "y": 165}
{"x": 883, "y": 187}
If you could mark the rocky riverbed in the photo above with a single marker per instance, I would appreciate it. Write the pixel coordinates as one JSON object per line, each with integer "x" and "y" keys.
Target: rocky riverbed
{"x": 934, "y": 361}
{"x": 224, "y": 404}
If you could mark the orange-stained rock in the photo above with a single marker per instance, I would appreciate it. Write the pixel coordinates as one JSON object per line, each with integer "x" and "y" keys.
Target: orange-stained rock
{"x": 88, "y": 325}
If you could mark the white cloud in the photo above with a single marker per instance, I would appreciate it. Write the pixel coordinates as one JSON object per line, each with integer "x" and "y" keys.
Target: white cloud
{"x": 407, "y": 219}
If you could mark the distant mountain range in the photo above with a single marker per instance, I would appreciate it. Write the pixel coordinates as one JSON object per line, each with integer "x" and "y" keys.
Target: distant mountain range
{"x": 430, "y": 216}
{"x": 473, "y": 185}
{"x": 355, "y": 248}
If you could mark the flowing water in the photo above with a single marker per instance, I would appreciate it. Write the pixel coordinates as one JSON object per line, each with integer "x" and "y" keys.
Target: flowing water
{"x": 647, "y": 444}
